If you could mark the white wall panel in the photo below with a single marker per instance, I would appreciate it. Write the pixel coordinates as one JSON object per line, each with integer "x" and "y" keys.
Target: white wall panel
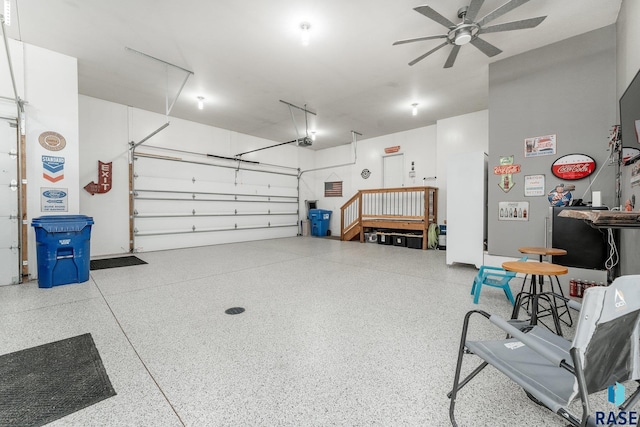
{"x": 51, "y": 92}
{"x": 458, "y": 135}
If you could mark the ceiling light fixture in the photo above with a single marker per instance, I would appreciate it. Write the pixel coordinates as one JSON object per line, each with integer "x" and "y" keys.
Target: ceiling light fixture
{"x": 414, "y": 111}
{"x": 305, "y": 26}
{"x": 200, "y": 102}
{"x": 7, "y": 12}
{"x": 313, "y": 135}
{"x": 463, "y": 36}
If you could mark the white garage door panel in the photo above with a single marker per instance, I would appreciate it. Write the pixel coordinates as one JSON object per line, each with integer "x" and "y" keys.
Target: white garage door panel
{"x": 9, "y": 227}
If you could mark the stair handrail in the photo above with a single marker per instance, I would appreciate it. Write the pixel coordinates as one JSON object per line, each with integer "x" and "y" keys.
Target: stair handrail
{"x": 428, "y": 215}
{"x": 356, "y": 197}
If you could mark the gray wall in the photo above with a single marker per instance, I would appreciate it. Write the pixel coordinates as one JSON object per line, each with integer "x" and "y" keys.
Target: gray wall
{"x": 567, "y": 89}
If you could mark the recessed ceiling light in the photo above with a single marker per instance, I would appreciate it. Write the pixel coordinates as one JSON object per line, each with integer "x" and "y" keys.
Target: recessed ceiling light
{"x": 200, "y": 102}
{"x": 414, "y": 111}
{"x": 305, "y": 27}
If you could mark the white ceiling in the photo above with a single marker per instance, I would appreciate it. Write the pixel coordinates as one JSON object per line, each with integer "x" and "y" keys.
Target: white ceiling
{"x": 247, "y": 55}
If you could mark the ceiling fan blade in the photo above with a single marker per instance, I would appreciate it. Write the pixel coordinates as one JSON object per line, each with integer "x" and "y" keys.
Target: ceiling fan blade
{"x": 421, "y": 57}
{"x": 501, "y": 11}
{"x": 485, "y": 47}
{"x": 515, "y": 25}
{"x": 452, "y": 56}
{"x": 432, "y": 14}
{"x": 419, "y": 39}
{"x": 474, "y": 8}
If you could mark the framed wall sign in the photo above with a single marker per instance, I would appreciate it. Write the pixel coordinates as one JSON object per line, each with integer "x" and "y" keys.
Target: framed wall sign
{"x": 513, "y": 211}
{"x": 54, "y": 199}
{"x": 540, "y": 146}
{"x": 333, "y": 189}
{"x": 635, "y": 175}
{"x": 534, "y": 185}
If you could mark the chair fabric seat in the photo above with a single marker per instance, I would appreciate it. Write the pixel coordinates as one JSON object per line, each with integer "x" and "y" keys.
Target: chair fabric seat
{"x": 552, "y": 385}
{"x": 554, "y": 371}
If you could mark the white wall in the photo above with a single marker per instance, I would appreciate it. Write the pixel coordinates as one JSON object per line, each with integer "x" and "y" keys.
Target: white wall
{"x": 417, "y": 145}
{"x": 103, "y": 136}
{"x": 106, "y": 130}
{"x": 51, "y": 93}
{"x": 428, "y": 147}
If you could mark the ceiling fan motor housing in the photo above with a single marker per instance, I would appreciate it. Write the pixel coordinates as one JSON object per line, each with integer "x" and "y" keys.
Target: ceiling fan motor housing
{"x": 463, "y": 33}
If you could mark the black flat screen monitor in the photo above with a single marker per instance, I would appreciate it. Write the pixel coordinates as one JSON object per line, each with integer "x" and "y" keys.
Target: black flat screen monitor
{"x": 630, "y": 114}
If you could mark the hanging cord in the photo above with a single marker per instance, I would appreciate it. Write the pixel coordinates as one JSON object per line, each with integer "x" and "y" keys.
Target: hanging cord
{"x": 306, "y": 122}
{"x": 432, "y": 236}
{"x": 613, "y": 259}
{"x": 606, "y": 161}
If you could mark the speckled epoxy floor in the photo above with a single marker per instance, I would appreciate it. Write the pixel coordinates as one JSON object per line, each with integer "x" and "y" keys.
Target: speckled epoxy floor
{"x": 334, "y": 334}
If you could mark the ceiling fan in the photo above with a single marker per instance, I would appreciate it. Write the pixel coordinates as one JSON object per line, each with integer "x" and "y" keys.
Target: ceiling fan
{"x": 469, "y": 29}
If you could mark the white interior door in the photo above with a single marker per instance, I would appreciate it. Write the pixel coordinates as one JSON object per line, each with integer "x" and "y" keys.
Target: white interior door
{"x": 393, "y": 171}
{"x": 9, "y": 225}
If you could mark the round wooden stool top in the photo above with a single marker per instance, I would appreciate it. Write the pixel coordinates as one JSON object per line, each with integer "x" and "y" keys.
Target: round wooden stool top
{"x": 535, "y": 267}
{"x": 536, "y": 250}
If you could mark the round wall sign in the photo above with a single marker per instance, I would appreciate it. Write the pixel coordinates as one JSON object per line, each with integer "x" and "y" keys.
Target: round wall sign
{"x": 573, "y": 167}
{"x": 52, "y": 141}
{"x": 366, "y": 173}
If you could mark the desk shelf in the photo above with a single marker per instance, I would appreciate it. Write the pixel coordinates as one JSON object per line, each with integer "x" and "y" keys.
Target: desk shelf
{"x": 605, "y": 219}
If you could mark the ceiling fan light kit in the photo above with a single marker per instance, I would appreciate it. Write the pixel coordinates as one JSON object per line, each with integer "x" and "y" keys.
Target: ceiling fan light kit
{"x": 468, "y": 30}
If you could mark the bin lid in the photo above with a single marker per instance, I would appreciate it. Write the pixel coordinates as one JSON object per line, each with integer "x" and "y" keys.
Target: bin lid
{"x": 319, "y": 211}
{"x": 62, "y": 223}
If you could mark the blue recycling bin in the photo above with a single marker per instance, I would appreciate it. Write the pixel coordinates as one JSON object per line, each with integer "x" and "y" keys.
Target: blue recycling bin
{"x": 320, "y": 219}
{"x": 63, "y": 246}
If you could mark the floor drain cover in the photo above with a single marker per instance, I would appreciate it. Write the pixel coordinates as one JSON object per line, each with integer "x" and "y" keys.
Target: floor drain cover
{"x": 234, "y": 310}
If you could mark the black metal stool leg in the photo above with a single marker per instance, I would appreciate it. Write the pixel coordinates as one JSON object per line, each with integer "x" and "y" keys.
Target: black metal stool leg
{"x": 564, "y": 303}
{"x": 522, "y": 291}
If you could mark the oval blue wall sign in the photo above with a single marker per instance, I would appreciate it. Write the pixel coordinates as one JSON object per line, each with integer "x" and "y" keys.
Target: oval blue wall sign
{"x": 54, "y": 194}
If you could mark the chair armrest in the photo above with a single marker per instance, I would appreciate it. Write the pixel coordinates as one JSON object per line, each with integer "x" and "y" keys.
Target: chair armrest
{"x": 488, "y": 267}
{"x": 495, "y": 271}
{"x": 575, "y": 305}
{"x": 527, "y": 340}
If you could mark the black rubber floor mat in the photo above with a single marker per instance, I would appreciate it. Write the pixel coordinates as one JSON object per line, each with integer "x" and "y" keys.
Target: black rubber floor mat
{"x": 44, "y": 383}
{"x": 125, "y": 261}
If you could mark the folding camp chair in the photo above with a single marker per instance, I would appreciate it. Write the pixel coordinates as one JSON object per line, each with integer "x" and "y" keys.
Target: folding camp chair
{"x": 493, "y": 276}
{"x": 552, "y": 370}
